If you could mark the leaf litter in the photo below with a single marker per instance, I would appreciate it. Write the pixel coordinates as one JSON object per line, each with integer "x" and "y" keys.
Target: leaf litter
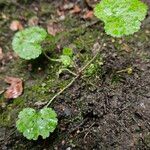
{"x": 15, "y": 89}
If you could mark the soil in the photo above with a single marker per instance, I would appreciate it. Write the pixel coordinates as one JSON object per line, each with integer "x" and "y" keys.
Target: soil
{"x": 108, "y": 109}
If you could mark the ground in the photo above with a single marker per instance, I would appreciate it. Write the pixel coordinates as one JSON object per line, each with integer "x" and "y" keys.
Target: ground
{"x": 107, "y": 109}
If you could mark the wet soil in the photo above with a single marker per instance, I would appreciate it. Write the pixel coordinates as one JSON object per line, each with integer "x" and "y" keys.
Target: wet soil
{"x": 108, "y": 110}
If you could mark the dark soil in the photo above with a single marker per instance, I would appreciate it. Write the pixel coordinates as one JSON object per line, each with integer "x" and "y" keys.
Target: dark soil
{"x": 110, "y": 110}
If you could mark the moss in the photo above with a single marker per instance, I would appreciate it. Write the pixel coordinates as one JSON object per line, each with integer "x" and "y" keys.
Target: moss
{"x": 9, "y": 115}
{"x": 41, "y": 85}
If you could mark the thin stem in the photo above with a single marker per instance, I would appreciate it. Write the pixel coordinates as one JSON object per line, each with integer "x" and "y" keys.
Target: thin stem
{"x": 51, "y": 59}
{"x": 71, "y": 72}
{"x": 89, "y": 62}
{"x": 61, "y": 91}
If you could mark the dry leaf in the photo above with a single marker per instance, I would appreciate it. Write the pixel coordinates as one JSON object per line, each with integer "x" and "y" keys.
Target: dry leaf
{"x": 76, "y": 9}
{"x": 15, "y": 89}
{"x": 53, "y": 28}
{"x": 16, "y": 25}
{"x": 1, "y": 54}
{"x": 88, "y": 15}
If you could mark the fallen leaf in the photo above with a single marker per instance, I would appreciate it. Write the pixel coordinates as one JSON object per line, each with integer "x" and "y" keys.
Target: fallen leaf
{"x": 1, "y": 54}
{"x": 53, "y": 28}
{"x": 76, "y": 9}
{"x": 88, "y": 15}
{"x": 16, "y": 25}
{"x": 15, "y": 89}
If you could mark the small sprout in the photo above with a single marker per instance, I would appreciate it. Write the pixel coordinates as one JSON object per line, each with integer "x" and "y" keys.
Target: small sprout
{"x": 66, "y": 57}
{"x": 33, "y": 124}
{"x": 27, "y": 43}
{"x": 66, "y": 60}
{"x": 121, "y": 17}
{"x": 67, "y": 51}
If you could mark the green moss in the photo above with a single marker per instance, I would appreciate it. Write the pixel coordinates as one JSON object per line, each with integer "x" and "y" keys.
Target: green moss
{"x": 10, "y": 112}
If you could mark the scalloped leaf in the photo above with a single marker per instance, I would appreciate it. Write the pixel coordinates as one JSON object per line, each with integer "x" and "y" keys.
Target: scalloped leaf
{"x": 33, "y": 124}
{"x": 27, "y": 43}
{"x": 121, "y": 17}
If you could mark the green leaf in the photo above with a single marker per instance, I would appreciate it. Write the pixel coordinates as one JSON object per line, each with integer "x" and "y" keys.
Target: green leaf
{"x": 27, "y": 43}
{"x": 67, "y": 51}
{"x": 121, "y": 17}
{"x": 66, "y": 60}
{"x": 32, "y": 123}
{"x": 91, "y": 70}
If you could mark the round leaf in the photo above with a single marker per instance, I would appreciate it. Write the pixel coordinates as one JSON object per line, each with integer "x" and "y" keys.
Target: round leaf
{"x": 27, "y": 43}
{"x": 121, "y": 17}
{"x": 32, "y": 123}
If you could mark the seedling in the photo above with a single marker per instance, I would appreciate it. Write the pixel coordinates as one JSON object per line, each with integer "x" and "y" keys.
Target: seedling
{"x": 66, "y": 57}
{"x": 121, "y": 17}
{"x": 33, "y": 124}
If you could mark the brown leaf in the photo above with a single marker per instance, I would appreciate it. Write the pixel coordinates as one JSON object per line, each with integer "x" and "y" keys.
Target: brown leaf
{"x": 15, "y": 89}
{"x": 16, "y": 25}
{"x": 88, "y": 15}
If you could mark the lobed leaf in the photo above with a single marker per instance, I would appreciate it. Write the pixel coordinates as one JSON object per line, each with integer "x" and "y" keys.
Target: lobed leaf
{"x": 121, "y": 17}
{"x": 32, "y": 123}
{"x": 27, "y": 43}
